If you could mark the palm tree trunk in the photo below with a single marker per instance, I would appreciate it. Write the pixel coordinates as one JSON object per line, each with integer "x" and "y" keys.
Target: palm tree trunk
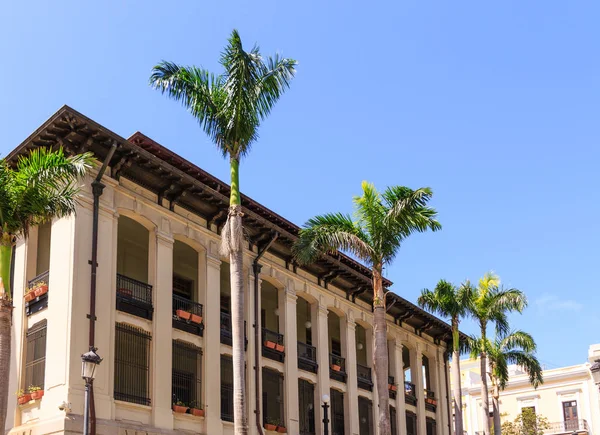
{"x": 456, "y": 387}
{"x": 380, "y": 352}
{"x": 5, "y": 324}
{"x": 231, "y": 245}
{"x": 485, "y": 403}
{"x": 496, "y": 408}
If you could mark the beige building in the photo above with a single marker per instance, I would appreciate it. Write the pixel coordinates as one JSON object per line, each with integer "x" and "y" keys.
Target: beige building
{"x": 162, "y": 306}
{"x": 568, "y": 398}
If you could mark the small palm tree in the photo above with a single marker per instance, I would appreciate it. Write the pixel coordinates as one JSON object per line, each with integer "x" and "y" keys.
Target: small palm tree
{"x": 229, "y": 108}
{"x": 517, "y": 347}
{"x": 454, "y": 302}
{"x": 490, "y": 303}
{"x": 382, "y": 222}
{"x": 42, "y": 186}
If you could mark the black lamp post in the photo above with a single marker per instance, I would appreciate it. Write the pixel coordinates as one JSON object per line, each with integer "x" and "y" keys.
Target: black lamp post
{"x": 325, "y": 416}
{"x": 89, "y": 361}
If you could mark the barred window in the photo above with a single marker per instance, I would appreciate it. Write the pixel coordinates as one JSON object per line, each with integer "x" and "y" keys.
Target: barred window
{"x": 393, "y": 422}
{"x": 226, "y": 388}
{"x": 306, "y": 402}
{"x": 132, "y": 364}
{"x": 365, "y": 416}
{"x": 411, "y": 423}
{"x": 272, "y": 392}
{"x": 35, "y": 357}
{"x": 430, "y": 426}
{"x": 337, "y": 412}
{"x": 187, "y": 368}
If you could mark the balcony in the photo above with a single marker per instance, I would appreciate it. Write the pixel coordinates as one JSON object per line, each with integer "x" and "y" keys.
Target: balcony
{"x": 187, "y": 316}
{"x": 568, "y": 427}
{"x": 410, "y": 393}
{"x": 36, "y": 298}
{"x": 337, "y": 368}
{"x": 272, "y": 345}
{"x": 226, "y": 337}
{"x": 430, "y": 401}
{"x": 134, "y": 297}
{"x": 307, "y": 357}
{"x": 392, "y": 387}
{"x": 363, "y": 375}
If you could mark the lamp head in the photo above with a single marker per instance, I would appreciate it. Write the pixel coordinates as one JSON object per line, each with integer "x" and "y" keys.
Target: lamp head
{"x": 89, "y": 361}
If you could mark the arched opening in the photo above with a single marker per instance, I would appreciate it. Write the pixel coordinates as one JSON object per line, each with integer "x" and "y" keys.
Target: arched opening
{"x": 134, "y": 294}
{"x": 307, "y": 353}
{"x": 225, "y": 296}
{"x": 187, "y": 311}
{"x": 337, "y": 363}
{"x": 363, "y": 369}
{"x": 273, "y": 345}
{"x": 409, "y": 386}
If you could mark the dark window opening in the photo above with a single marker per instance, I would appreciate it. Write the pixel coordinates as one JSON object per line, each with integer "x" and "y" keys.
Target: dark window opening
{"x": 186, "y": 381}
{"x": 132, "y": 364}
{"x": 35, "y": 357}
{"x": 183, "y": 287}
{"x": 226, "y": 388}
{"x": 337, "y": 412}
{"x": 306, "y": 401}
{"x": 430, "y": 426}
{"x": 272, "y": 393}
{"x": 393, "y": 422}
{"x": 365, "y": 416}
{"x": 411, "y": 423}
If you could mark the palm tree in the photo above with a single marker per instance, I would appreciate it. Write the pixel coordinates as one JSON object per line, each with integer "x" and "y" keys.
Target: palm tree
{"x": 517, "y": 347}
{"x": 490, "y": 303}
{"x": 229, "y": 108}
{"x": 42, "y": 186}
{"x": 382, "y": 222}
{"x": 450, "y": 301}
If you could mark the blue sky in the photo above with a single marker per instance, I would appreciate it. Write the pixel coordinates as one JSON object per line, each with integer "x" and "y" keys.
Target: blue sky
{"x": 494, "y": 106}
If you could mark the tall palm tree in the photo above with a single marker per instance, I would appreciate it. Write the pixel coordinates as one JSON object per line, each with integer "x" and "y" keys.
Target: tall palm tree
{"x": 381, "y": 223}
{"x": 229, "y": 108}
{"x": 490, "y": 303}
{"x": 453, "y": 302}
{"x": 517, "y": 347}
{"x": 42, "y": 186}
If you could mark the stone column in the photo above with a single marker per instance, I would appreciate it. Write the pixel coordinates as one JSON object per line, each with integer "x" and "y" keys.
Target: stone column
{"x": 212, "y": 344}
{"x": 439, "y": 390}
{"x": 291, "y": 359}
{"x": 445, "y": 394}
{"x": 416, "y": 364}
{"x": 321, "y": 340}
{"x": 252, "y": 323}
{"x": 399, "y": 379}
{"x": 351, "y": 402}
{"x": 162, "y": 335}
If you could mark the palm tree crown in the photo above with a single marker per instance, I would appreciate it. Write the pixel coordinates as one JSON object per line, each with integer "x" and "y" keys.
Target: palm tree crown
{"x": 447, "y": 300}
{"x": 381, "y": 222}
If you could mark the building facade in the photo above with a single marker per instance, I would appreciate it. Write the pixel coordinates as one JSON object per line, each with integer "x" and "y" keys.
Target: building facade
{"x": 568, "y": 398}
{"x": 162, "y": 322}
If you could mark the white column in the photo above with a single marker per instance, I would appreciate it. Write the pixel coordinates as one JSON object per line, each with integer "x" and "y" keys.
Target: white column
{"x": 321, "y": 338}
{"x": 162, "y": 335}
{"x": 443, "y": 394}
{"x": 212, "y": 346}
{"x": 351, "y": 402}
{"x": 439, "y": 391}
{"x": 416, "y": 364}
{"x": 399, "y": 379}
{"x": 250, "y": 359}
{"x": 291, "y": 359}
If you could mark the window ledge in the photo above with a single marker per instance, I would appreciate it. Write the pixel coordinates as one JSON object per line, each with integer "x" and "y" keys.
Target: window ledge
{"x": 130, "y": 405}
{"x": 30, "y": 404}
{"x": 187, "y": 417}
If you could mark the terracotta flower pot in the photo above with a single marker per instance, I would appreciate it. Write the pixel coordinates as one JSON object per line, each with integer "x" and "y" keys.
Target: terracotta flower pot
{"x": 196, "y": 318}
{"x": 182, "y": 314}
{"x": 270, "y": 344}
{"x": 269, "y": 426}
{"x": 197, "y": 412}
{"x": 335, "y": 367}
{"x": 30, "y": 296}
{"x": 279, "y": 348}
{"x": 21, "y": 400}
{"x": 36, "y": 395}
{"x": 281, "y": 429}
{"x": 393, "y": 387}
{"x": 180, "y": 409}
{"x": 125, "y": 292}
{"x": 41, "y": 290}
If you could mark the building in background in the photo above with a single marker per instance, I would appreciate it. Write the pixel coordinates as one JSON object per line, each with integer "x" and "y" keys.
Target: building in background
{"x": 162, "y": 310}
{"x": 568, "y": 398}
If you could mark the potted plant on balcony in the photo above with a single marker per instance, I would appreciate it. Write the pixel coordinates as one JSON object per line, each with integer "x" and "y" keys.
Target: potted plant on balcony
{"x": 279, "y": 347}
{"x": 431, "y": 401}
{"x": 180, "y": 407}
{"x": 271, "y": 424}
{"x": 196, "y": 409}
{"x": 30, "y": 294}
{"x": 41, "y": 288}
{"x": 125, "y": 292}
{"x": 22, "y": 397}
{"x": 182, "y": 314}
{"x": 335, "y": 367}
{"x": 195, "y": 318}
{"x": 270, "y": 344}
{"x": 392, "y": 387}
{"x": 281, "y": 429}
{"x": 36, "y": 392}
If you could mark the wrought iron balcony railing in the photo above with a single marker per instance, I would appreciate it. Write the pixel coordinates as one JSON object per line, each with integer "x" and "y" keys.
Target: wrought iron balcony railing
{"x": 226, "y": 337}
{"x": 134, "y": 297}
{"x": 337, "y": 368}
{"x": 187, "y": 315}
{"x": 569, "y": 426}
{"x": 430, "y": 401}
{"x": 273, "y": 346}
{"x": 363, "y": 374}
{"x": 392, "y": 387}
{"x": 36, "y": 297}
{"x": 410, "y": 393}
{"x": 307, "y": 357}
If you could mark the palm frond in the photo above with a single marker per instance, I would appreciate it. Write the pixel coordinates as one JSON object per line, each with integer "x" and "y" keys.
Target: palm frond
{"x": 277, "y": 74}
{"x": 518, "y": 339}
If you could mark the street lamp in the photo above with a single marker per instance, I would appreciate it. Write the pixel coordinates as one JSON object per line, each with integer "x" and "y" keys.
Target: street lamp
{"x": 89, "y": 361}
{"x": 325, "y": 416}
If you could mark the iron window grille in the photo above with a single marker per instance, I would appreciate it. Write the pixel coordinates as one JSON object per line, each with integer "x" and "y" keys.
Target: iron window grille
{"x": 430, "y": 426}
{"x": 226, "y": 388}
{"x": 272, "y": 393}
{"x": 365, "y": 416}
{"x": 132, "y": 364}
{"x": 40, "y": 302}
{"x": 393, "y": 422}
{"x": 364, "y": 377}
{"x": 35, "y": 357}
{"x": 186, "y": 383}
{"x": 337, "y": 412}
{"x": 411, "y": 423}
{"x": 306, "y": 394}
{"x": 307, "y": 357}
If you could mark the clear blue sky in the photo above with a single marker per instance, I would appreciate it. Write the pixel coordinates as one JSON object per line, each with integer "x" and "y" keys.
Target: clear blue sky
{"x": 494, "y": 106}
